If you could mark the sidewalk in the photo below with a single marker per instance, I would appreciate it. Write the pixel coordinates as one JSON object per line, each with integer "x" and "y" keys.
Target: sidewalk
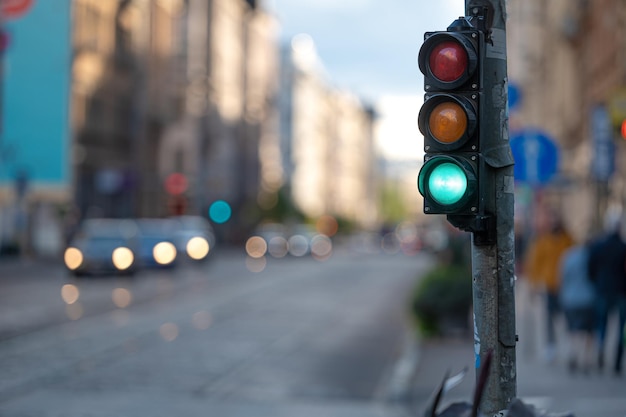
{"x": 547, "y": 386}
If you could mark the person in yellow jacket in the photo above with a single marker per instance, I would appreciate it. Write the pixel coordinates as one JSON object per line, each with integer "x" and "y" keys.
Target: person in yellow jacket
{"x": 542, "y": 269}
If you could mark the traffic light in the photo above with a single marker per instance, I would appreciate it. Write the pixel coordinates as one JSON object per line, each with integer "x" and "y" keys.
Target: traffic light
{"x": 450, "y": 179}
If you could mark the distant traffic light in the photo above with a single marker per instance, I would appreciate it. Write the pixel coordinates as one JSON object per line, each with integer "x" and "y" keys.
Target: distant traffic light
{"x": 450, "y": 60}
{"x": 176, "y": 183}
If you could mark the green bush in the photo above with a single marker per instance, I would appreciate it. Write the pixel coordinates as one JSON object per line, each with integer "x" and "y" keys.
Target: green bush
{"x": 443, "y": 299}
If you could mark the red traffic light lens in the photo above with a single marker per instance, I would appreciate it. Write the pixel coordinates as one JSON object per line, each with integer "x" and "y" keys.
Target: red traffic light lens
{"x": 448, "y": 61}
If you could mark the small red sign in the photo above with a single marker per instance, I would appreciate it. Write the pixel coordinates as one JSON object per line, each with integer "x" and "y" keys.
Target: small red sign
{"x": 176, "y": 184}
{"x": 12, "y": 9}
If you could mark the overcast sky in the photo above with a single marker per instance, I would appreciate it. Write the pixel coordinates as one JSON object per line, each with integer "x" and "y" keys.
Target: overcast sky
{"x": 370, "y": 47}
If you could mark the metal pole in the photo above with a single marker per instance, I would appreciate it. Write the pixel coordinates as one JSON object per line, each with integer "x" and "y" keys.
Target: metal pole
{"x": 493, "y": 265}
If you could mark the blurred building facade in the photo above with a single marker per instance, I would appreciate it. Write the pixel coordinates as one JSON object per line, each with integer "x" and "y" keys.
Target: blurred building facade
{"x": 171, "y": 86}
{"x": 569, "y": 60}
{"x": 327, "y": 141}
{"x": 197, "y": 88}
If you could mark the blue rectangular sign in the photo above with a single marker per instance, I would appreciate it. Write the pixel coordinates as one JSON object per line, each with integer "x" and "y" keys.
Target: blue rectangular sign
{"x": 603, "y": 146}
{"x": 35, "y": 126}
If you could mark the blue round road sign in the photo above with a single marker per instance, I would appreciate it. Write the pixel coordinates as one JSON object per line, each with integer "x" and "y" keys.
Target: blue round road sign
{"x": 515, "y": 96}
{"x": 536, "y": 157}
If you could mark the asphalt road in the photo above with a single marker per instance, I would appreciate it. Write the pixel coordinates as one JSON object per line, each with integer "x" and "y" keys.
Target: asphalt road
{"x": 298, "y": 338}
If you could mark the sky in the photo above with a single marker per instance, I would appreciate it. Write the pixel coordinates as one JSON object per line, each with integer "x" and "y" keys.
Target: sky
{"x": 370, "y": 47}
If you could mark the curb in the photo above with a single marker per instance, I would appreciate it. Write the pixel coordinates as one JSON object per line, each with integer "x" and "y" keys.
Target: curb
{"x": 399, "y": 384}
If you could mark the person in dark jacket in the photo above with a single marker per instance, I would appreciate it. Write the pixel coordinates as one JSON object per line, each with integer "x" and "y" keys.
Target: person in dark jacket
{"x": 607, "y": 270}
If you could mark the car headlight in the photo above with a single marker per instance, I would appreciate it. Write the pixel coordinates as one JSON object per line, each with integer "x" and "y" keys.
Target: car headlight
{"x": 122, "y": 258}
{"x": 164, "y": 253}
{"x": 73, "y": 258}
{"x": 197, "y": 248}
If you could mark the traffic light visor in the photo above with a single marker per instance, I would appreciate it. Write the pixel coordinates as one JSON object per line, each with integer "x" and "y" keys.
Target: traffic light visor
{"x": 448, "y": 61}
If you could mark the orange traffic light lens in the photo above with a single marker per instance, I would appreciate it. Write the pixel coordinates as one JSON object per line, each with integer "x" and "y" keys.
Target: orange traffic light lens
{"x": 448, "y": 61}
{"x": 447, "y": 122}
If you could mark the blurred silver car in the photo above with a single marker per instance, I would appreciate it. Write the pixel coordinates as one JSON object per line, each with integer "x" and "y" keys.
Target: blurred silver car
{"x": 157, "y": 243}
{"x": 103, "y": 246}
{"x": 193, "y": 237}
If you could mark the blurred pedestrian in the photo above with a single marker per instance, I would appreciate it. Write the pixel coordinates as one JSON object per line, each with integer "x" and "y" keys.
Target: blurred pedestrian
{"x": 607, "y": 270}
{"x": 541, "y": 266}
{"x": 577, "y": 299}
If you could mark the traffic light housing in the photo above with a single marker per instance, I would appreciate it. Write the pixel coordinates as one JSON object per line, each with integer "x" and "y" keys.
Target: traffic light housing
{"x": 454, "y": 179}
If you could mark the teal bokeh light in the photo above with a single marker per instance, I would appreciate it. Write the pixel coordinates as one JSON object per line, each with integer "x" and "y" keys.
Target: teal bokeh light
{"x": 220, "y": 211}
{"x": 447, "y": 183}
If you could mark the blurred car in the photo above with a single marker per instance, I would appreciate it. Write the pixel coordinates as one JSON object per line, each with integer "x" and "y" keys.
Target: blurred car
{"x": 157, "y": 243}
{"x": 103, "y": 246}
{"x": 193, "y": 237}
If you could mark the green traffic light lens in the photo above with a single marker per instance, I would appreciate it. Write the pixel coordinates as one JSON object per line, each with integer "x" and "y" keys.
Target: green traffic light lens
{"x": 447, "y": 183}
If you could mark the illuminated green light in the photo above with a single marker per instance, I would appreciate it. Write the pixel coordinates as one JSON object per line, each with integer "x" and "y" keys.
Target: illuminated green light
{"x": 447, "y": 183}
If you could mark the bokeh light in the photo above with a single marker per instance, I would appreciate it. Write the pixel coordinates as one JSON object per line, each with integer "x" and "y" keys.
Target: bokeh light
{"x": 202, "y": 320}
{"x": 121, "y": 297}
{"x": 278, "y": 247}
{"x": 220, "y": 211}
{"x": 169, "y": 331}
{"x": 123, "y": 258}
{"x": 256, "y": 264}
{"x": 321, "y": 247}
{"x": 327, "y": 225}
{"x": 256, "y": 247}
{"x": 298, "y": 245}
{"x": 70, "y": 293}
{"x": 73, "y": 258}
{"x": 198, "y": 248}
{"x": 164, "y": 253}
{"x": 74, "y": 311}
{"x": 176, "y": 183}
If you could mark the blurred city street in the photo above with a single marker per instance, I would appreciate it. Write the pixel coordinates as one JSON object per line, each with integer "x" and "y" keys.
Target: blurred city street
{"x": 299, "y": 338}
{"x": 263, "y": 207}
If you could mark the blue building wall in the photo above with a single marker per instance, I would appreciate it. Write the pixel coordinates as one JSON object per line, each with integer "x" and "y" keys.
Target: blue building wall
{"x": 35, "y": 134}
